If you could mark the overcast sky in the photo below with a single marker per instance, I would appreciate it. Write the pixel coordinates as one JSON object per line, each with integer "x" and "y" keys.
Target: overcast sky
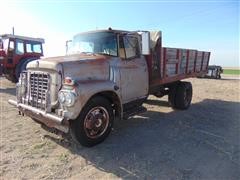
{"x": 204, "y": 25}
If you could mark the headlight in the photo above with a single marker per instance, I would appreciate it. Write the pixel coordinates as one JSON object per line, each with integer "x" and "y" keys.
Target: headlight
{"x": 61, "y": 97}
{"x": 70, "y": 99}
{"x": 66, "y": 98}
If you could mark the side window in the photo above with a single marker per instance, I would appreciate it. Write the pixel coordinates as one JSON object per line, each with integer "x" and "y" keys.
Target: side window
{"x": 11, "y": 45}
{"x": 20, "y": 47}
{"x": 131, "y": 47}
{"x": 37, "y": 48}
{"x": 29, "y": 48}
{"x": 1, "y": 44}
{"x": 33, "y": 48}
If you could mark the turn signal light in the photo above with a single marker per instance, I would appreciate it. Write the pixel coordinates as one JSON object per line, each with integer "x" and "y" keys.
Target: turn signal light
{"x": 68, "y": 81}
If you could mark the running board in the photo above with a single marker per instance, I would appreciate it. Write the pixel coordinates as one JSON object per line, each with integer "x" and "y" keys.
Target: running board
{"x": 134, "y": 111}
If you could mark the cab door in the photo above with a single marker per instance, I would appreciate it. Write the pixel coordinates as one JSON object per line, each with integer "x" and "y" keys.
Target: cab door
{"x": 133, "y": 69}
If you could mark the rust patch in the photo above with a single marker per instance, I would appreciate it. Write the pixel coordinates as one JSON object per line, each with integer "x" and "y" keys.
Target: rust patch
{"x": 77, "y": 57}
{"x": 90, "y": 81}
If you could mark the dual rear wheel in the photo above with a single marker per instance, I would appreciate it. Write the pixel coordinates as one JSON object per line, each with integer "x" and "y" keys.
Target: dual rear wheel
{"x": 180, "y": 95}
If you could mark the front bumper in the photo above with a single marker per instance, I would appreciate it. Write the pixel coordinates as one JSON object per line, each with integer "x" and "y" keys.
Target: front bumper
{"x": 49, "y": 119}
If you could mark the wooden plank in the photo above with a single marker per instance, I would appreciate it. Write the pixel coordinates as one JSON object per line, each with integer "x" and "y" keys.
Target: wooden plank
{"x": 176, "y": 64}
{"x": 178, "y": 57}
{"x": 195, "y": 60}
{"x": 202, "y": 60}
{"x": 208, "y": 60}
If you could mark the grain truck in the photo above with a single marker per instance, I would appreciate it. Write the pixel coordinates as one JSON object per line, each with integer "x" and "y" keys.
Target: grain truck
{"x": 106, "y": 76}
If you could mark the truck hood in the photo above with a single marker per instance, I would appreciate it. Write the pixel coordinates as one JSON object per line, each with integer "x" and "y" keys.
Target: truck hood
{"x": 79, "y": 67}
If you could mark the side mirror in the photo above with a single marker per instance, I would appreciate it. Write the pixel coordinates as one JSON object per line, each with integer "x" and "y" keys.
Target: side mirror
{"x": 68, "y": 43}
{"x": 145, "y": 42}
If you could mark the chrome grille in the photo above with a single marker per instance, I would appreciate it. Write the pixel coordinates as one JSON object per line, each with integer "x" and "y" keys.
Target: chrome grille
{"x": 39, "y": 88}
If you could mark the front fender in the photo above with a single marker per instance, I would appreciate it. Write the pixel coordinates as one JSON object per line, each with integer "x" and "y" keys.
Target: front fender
{"x": 86, "y": 90}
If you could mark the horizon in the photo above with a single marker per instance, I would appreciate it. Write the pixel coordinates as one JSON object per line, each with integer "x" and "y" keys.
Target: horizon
{"x": 208, "y": 25}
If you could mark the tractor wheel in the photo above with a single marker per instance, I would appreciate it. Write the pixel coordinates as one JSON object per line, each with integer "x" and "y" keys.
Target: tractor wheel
{"x": 22, "y": 67}
{"x": 11, "y": 78}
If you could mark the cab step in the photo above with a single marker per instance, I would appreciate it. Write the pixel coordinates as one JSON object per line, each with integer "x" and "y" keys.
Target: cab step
{"x": 133, "y": 111}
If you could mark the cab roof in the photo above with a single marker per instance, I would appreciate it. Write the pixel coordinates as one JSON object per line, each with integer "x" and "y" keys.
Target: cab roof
{"x": 3, "y": 36}
{"x": 105, "y": 30}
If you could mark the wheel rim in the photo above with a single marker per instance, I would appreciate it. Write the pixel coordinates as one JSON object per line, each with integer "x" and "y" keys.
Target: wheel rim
{"x": 96, "y": 122}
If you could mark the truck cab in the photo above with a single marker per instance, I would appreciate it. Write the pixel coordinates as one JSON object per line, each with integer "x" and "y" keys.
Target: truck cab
{"x": 123, "y": 51}
{"x": 106, "y": 75}
{"x": 16, "y": 52}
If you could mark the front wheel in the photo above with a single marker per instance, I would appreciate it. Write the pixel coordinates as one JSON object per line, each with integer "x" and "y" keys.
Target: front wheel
{"x": 94, "y": 122}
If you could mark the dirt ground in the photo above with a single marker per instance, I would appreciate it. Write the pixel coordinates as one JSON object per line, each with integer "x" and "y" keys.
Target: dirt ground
{"x": 200, "y": 143}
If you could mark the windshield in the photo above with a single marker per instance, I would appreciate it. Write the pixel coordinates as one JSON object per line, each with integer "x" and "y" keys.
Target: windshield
{"x": 99, "y": 42}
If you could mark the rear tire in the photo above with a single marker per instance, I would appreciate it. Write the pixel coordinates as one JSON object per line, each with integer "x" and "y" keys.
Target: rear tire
{"x": 180, "y": 95}
{"x": 172, "y": 95}
{"x": 94, "y": 122}
{"x": 183, "y": 95}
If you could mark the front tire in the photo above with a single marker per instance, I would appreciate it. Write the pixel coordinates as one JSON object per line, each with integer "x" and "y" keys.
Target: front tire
{"x": 94, "y": 122}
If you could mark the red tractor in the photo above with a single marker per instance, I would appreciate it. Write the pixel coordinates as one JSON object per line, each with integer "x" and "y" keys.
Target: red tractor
{"x": 16, "y": 52}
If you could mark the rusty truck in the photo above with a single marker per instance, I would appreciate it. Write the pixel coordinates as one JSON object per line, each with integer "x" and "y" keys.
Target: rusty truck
{"x": 15, "y": 52}
{"x": 106, "y": 75}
